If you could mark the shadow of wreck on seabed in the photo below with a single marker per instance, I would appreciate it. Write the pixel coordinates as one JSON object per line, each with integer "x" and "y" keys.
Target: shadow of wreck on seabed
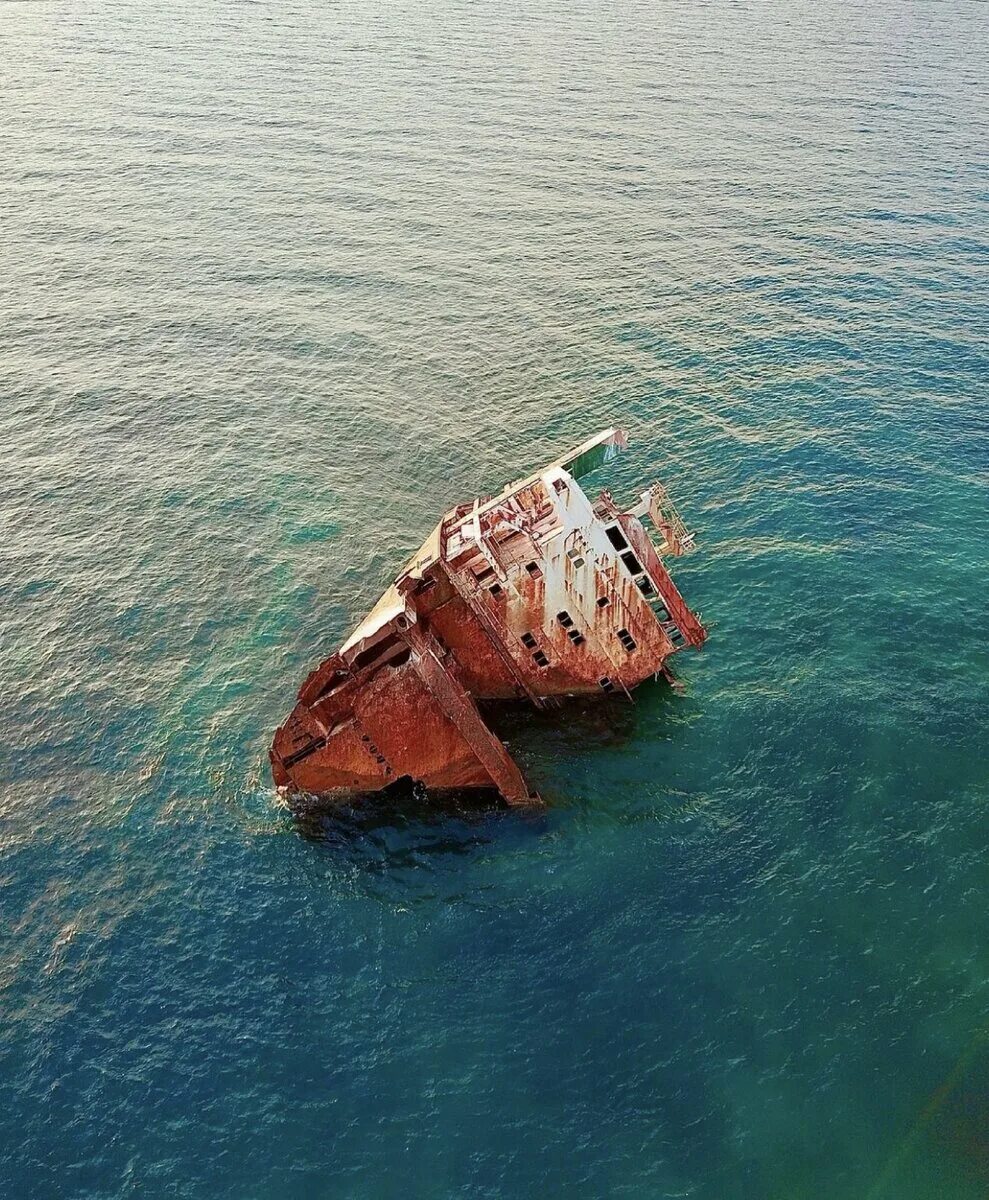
{"x": 406, "y": 844}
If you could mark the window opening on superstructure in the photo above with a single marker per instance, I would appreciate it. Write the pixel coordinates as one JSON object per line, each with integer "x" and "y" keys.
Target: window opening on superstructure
{"x": 540, "y": 659}
{"x": 528, "y": 641}
{"x": 496, "y": 589}
{"x": 335, "y": 682}
{"x": 534, "y": 569}
{"x": 606, "y": 685}
{"x": 630, "y": 561}
{"x": 626, "y": 640}
{"x": 603, "y": 601}
{"x": 565, "y": 619}
{"x": 575, "y": 636}
{"x": 645, "y": 587}
{"x": 378, "y": 650}
{"x": 617, "y": 538}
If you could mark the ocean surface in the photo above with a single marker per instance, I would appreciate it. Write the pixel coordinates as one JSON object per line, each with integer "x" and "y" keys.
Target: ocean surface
{"x": 282, "y": 282}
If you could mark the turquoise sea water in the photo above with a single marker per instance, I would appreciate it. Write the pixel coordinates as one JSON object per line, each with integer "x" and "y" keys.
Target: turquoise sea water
{"x": 281, "y": 283}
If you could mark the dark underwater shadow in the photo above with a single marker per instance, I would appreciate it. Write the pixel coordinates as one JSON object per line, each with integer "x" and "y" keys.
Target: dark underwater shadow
{"x": 404, "y": 802}
{"x": 405, "y": 844}
{"x": 585, "y": 721}
{"x": 546, "y": 742}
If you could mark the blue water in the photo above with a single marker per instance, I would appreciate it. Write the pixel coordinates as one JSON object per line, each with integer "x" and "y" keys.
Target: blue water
{"x": 283, "y": 282}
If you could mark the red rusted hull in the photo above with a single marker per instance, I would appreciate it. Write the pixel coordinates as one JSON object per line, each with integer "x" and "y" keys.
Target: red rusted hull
{"x": 535, "y": 594}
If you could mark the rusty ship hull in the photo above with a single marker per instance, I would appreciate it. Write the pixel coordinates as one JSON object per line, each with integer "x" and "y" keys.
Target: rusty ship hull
{"x": 535, "y": 594}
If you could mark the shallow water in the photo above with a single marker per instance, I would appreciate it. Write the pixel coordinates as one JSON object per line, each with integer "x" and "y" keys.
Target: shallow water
{"x": 282, "y": 283}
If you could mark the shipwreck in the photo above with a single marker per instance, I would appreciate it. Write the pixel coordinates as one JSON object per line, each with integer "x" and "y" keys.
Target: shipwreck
{"x": 536, "y": 594}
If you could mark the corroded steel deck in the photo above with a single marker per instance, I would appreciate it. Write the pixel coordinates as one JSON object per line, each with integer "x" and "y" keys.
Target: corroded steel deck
{"x": 534, "y": 594}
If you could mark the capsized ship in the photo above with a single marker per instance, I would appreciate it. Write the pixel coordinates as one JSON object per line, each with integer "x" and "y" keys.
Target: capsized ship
{"x": 536, "y": 594}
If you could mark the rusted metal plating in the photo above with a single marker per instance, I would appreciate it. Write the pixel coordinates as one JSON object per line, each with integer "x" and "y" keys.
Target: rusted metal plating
{"x": 535, "y": 594}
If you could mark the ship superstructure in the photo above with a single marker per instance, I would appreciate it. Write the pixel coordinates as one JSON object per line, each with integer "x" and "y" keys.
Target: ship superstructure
{"x": 536, "y": 594}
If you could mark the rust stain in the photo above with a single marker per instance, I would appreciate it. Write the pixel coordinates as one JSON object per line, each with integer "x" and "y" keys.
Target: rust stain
{"x": 537, "y": 594}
